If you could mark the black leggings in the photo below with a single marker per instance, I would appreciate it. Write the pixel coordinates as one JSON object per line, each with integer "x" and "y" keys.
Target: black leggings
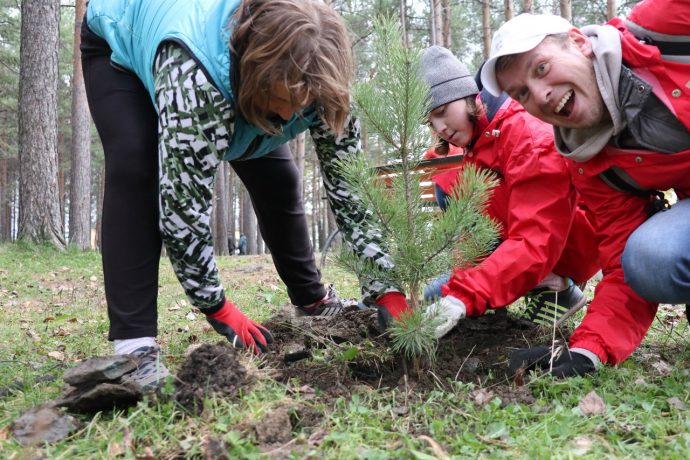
{"x": 131, "y": 243}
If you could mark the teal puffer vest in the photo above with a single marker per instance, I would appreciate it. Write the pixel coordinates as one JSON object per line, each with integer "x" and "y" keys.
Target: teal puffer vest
{"x": 134, "y": 29}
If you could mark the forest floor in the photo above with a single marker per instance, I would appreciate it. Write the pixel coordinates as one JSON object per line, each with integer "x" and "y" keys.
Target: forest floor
{"x": 326, "y": 389}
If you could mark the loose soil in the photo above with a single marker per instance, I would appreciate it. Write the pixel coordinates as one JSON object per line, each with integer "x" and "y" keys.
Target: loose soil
{"x": 337, "y": 355}
{"x": 209, "y": 369}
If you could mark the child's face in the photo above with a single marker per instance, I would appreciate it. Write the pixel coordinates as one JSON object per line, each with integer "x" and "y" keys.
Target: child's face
{"x": 284, "y": 104}
{"x": 452, "y": 122}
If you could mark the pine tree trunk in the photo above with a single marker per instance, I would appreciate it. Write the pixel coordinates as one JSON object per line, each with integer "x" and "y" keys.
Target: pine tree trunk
{"x": 436, "y": 23}
{"x": 403, "y": 21}
{"x": 528, "y": 6}
{"x": 231, "y": 208}
{"x": 298, "y": 149}
{"x": 100, "y": 178}
{"x": 509, "y": 13}
{"x": 315, "y": 198}
{"x": 611, "y": 9}
{"x": 566, "y": 10}
{"x": 80, "y": 183}
{"x": 486, "y": 28}
{"x": 259, "y": 242}
{"x": 220, "y": 209}
{"x": 40, "y": 215}
{"x": 249, "y": 224}
{"x": 4, "y": 200}
{"x": 446, "y": 19}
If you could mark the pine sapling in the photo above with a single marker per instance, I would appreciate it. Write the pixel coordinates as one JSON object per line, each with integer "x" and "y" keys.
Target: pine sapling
{"x": 421, "y": 242}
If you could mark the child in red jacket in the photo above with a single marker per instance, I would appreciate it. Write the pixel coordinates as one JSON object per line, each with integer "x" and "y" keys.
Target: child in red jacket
{"x": 546, "y": 239}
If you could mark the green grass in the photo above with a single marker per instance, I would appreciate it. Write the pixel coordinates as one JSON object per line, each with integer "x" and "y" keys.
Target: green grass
{"x": 53, "y": 301}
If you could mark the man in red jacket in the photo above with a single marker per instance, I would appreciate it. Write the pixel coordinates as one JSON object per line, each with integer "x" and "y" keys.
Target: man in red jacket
{"x": 618, "y": 97}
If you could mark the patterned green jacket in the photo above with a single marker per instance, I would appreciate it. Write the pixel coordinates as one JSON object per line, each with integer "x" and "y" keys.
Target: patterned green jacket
{"x": 196, "y": 126}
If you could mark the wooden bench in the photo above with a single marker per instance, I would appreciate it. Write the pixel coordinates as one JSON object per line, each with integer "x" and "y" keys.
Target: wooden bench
{"x": 424, "y": 171}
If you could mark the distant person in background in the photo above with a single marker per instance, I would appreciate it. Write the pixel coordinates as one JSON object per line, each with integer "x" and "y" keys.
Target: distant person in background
{"x": 231, "y": 246}
{"x": 444, "y": 180}
{"x": 177, "y": 86}
{"x": 243, "y": 244}
{"x": 546, "y": 242}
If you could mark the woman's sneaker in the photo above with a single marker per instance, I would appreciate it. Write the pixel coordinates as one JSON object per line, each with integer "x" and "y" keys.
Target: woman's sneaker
{"x": 331, "y": 305}
{"x": 546, "y": 307}
{"x": 150, "y": 372}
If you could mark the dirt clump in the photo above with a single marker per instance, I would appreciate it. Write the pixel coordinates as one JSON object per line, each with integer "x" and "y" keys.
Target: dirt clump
{"x": 339, "y": 354}
{"x": 209, "y": 369}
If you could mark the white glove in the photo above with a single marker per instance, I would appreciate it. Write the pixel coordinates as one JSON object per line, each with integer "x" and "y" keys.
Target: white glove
{"x": 447, "y": 311}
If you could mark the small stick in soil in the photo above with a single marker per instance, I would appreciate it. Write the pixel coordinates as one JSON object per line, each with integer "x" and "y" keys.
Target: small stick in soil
{"x": 464, "y": 361}
{"x": 436, "y": 447}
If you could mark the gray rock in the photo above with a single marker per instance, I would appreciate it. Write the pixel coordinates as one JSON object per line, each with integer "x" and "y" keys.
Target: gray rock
{"x": 43, "y": 424}
{"x": 101, "y": 397}
{"x": 100, "y": 369}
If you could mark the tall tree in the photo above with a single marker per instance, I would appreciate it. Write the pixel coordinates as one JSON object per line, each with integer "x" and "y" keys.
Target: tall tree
{"x": 248, "y": 222}
{"x": 486, "y": 27}
{"x": 403, "y": 21}
{"x": 509, "y": 12}
{"x": 528, "y": 6}
{"x": 39, "y": 217}
{"x": 220, "y": 210}
{"x": 80, "y": 183}
{"x": 446, "y": 19}
{"x": 436, "y": 22}
{"x": 567, "y": 9}
{"x": 611, "y": 7}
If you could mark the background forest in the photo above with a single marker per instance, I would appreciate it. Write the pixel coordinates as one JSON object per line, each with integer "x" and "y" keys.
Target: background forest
{"x": 51, "y": 160}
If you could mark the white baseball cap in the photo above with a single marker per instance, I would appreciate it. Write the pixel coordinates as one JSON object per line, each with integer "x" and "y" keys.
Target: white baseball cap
{"x": 519, "y": 35}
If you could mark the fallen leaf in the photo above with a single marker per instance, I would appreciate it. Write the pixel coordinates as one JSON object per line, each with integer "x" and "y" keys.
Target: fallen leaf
{"x": 93, "y": 278}
{"x": 401, "y": 410}
{"x": 482, "y": 396}
{"x": 57, "y": 355}
{"x": 316, "y": 438}
{"x": 115, "y": 449}
{"x": 5, "y": 433}
{"x": 34, "y": 335}
{"x": 307, "y": 392}
{"x": 48, "y": 318}
{"x": 640, "y": 381}
{"x": 174, "y": 308}
{"x": 148, "y": 454}
{"x": 677, "y": 403}
{"x": 190, "y": 316}
{"x": 582, "y": 445}
{"x": 592, "y": 404}
{"x": 61, "y": 332}
{"x": 662, "y": 367}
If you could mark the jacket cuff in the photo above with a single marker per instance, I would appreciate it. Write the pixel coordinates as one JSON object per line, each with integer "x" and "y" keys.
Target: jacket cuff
{"x": 593, "y": 348}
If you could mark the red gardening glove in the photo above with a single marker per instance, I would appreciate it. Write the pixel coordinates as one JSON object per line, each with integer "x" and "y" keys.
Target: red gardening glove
{"x": 390, "y": 306}
{"x": 241, "y": 331}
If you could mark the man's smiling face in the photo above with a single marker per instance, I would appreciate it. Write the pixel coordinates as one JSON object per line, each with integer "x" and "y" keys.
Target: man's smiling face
{"x": 555, "y": 82}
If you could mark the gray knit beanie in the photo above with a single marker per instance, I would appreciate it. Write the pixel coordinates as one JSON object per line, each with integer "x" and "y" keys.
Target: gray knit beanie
{"x": 448, "y": 78}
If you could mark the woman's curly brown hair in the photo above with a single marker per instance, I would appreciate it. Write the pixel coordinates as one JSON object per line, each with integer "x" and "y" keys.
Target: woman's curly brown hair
{"x": 302, "y": 44}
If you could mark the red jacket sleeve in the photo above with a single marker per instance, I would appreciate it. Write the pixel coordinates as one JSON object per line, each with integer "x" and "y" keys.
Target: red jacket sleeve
{"x": 538, "y": 205}
{"x": 617, "y": 319}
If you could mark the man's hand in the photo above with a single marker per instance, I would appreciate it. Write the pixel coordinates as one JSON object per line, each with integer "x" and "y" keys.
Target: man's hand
{"x": 390, "y": 306}
{"x": 448, "y": 311}
{"x": 241, "y": 331}
{"x": 563, "y": 362}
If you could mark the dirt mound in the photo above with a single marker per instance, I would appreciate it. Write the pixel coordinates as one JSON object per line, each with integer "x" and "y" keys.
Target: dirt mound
{"x": 337, "y": 354}
{"x": 207, "y": 370}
